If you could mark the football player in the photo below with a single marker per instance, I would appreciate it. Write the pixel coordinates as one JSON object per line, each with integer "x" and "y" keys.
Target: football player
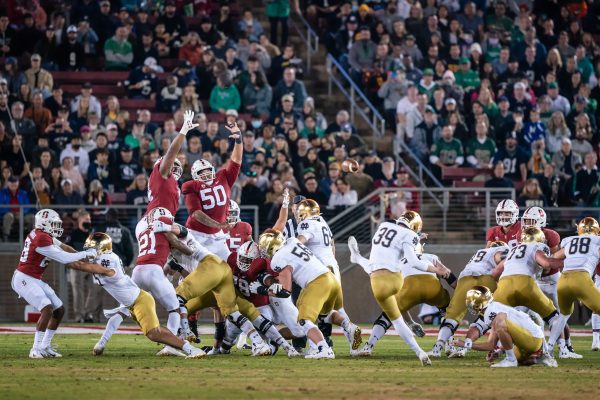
{"x": 207, "y": 198}
{"x": 520, "y": 337}
{"x": 596, "y": 317}
{"x": 163, "y": 190}
{"x": 477, "y": 272}
{"x": 517, "y": 285}
{"x": 547, "y": 281}
{"x": 508, "y": 228}
{"x": 392, "y": 242}
{"x": 41, "y": 246}
{"x": 321, "y": 293}
{"x": 419, "y": 287}
{"x": 240, "y": 232}
{"x": 581, "y": 254}
{"x": 107, "y": 270}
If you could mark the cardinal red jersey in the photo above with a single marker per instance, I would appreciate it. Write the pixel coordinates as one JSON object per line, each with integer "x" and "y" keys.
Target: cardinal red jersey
{"x": 245, "y": 278}
{"x": 510, "y": 237}
{"x": 153, "y": 247}
{"x": 31, "y": 262}
{"x": 162, "y": 192}
{"x": 213, "y": 199}
{"x": 238, "y": 235}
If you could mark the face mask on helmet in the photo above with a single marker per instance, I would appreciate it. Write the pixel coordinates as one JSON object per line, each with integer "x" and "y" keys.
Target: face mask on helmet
{"x": 535, "y": 217}
{"x": 177, "y": 170}
{"x": 507, "y": 213}
{"x": 233, "y": 216}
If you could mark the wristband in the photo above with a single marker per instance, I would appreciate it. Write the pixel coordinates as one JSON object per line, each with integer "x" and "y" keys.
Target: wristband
{"x": 451, "y": 279}
{"x": 468, "y": 343}
{"x": 183, "y": 232}
{"x": 284, "y": 294}
{"x": 238, "y": 140}
{"x": 175, "y": 266}
{"x": 263, "y": 290}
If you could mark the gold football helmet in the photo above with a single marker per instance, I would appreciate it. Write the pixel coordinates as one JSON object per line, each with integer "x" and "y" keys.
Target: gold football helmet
{"x": 478, "y": 298}
{"x": 412, "y": 220}
{"x": 270, "y": 242}
{"x": 589, "y": 226}
{"x": 532, "y": 234}
{"x": 307, "y": 208}
{"x": 498, "y": 243}
{"x": 99, "y": 241}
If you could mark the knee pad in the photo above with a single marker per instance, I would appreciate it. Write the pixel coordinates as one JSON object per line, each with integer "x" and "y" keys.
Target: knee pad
{"x": 219, "y": 331}
{"x": 383, "y": 321}
{"x": 325, "y": 327}
{"x": 237, "y": 319}
{"x": 262, "y": 324}
{"x": 450, "y": 324}
{"x": 306, "y": 325}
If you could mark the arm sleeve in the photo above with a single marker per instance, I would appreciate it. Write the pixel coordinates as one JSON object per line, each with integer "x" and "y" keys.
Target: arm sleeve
{"x": 412, "y": 259}
{"x": 232, "y": 172}
{"x": 60, "y": 255}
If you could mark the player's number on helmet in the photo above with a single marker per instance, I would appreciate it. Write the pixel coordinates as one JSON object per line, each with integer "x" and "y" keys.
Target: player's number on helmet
{"x": 580, "y": 245}
{"x": 385, "y": 237}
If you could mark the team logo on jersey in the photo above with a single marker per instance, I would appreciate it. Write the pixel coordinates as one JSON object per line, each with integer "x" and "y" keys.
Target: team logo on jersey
{"x": 492, "y": 316}
{"x": 304, "y": 225}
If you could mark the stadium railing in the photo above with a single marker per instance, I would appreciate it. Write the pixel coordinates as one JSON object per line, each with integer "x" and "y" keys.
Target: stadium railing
{"x": 308, "y": 35}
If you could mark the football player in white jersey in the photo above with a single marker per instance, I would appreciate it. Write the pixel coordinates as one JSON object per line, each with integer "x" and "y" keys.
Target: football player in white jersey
{"x": 477, "y": 272}
{"x": 391, "y": 243}
{"x": 419, "y": 287}
{"x": 517, "y": 285}
{"x": 321, "y": 292}
{"x": 581, "y": 254}
{"x": 520, "y": 337}
{"x": 107, "y": 270}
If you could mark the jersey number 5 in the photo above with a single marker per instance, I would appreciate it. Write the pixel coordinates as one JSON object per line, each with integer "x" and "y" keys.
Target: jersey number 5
{"x": 213, "y": 196}
{"x": 147, "y": 242}
{"x": 302, "y": 252}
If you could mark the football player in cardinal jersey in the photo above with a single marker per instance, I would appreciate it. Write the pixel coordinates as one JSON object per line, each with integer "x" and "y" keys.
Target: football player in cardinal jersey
{"x": 207, "y": 198}
{"x": 41, "y": 246}
{"x": 509, "y": 227}
{"x": 163, "y": 190}
{"x": 241, "y": 231}
{"x": 107, "y": 271}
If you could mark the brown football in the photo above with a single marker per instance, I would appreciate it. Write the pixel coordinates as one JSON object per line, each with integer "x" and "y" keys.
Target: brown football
{"x": 350, "y": 166}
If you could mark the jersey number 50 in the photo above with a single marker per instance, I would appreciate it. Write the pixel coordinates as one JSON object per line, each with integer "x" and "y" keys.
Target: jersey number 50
{"x": 213, "y": 196}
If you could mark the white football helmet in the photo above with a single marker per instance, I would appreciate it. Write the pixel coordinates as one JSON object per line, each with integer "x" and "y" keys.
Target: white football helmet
{"x": 233, "y": 213}
{"x": 507, "y": 213}
{"x": 49, "y": 221}
{"x": 157, "y": 213}
{"x": 247, "y": 253}
{"x": 176, "y": 169}
{"x": 203, "y": 171}
{"x": 534, "y": 216}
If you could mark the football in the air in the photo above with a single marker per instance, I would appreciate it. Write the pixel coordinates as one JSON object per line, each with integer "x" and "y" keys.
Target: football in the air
{"x": 350, "y": 165}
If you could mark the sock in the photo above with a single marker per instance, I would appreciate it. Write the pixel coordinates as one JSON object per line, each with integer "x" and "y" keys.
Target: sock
{"x": 568, "y": 342}
{"x": 39, "y": 337}
{"x": 323, "y": 344}
{"x": 556, "y": 328}
{"x": 343, "y": 313}
{"x": 185, "y": 325}
{"x": 111, "y": 326}
{"x": 596, "y": 336}
{"x": 447, "y": 330}
{"x": 187, "y": 348}
{"x": 406, "y": 334}
{"x": 271, "y": 332}
{"x": 377, "y": 333}
{"x": 510, "y": 354}
{"x": 345, "y": 324}
{"x": 595, "y": 322}
{"x": 561, "y": 343}
{"x": 254, "y": 336}
{"x": 47, "y": 341}
{"x": 173, "y": 322}
{"x": 312, "y": 344}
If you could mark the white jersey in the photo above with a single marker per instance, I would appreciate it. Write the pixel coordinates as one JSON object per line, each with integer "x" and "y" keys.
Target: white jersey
{"x": 482, "y": 262}
{"x": 306, "y": 267}
{"x": 513, "y": 315}
{"x": 581, "y": 252}
{"x": 387, "y": 244}
{"x": 521, "y": 260}
{"x": 187, "y": 262}
{"x": 120, "y": 286}
{"x": 408, "y": 270}
{"x": 319, "y": 239}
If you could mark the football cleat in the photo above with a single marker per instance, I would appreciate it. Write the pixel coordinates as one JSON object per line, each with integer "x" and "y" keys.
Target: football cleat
{"x": 424, "y": 358}
{"x": 171, "y": 351}
{"x": 365, "y": 351}
{"x": 98, "y": 349}
{"x": 292, "y": 352}
{"x": 321, "y": 353}
{"x": 196, "y": 353}
{"x": 436, "y": 351}
{"x": 353, "y": 336}
{"x": 261, "y": 349}
{"x": 37, "y": 353}
{"x": 353, "y": 246}
{"x": 494, "y": 354}
{"x": 417, "y": 329}
{"x": 566, "y": 353}
{"x": 458, "y": 352}
{"x": 506, "y": 363}
{"x": 51, "y": 352}
{"x": 547, "y": 360}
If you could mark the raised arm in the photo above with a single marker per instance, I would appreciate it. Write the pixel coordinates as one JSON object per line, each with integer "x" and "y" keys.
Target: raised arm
{"x": 283, "y": 212}
{"x": 238, "y": 147}
{"x": 169, "y": 158}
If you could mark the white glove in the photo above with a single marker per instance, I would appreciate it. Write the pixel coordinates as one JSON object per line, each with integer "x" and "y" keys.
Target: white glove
{"x": 188, "y": 122}
{"x": 159, "y": 226}
{"x": 253, "y": 287}
{"x": 286, "y": 198}
{"x": 90, "y": 253}
{"x": 276, "y": 288}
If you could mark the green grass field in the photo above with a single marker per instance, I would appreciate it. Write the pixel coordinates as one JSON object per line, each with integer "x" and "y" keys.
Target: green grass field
{"x": 129, "y": 370}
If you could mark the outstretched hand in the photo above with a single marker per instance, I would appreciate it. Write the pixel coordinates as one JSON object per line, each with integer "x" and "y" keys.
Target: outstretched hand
{"x": 188, "y": 122}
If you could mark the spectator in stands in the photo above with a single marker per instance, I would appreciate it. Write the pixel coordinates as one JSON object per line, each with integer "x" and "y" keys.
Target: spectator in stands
{"x": 5, "y": 139}
{"x": 583, "y": 135}
{"x": 14, "y": 157}
{"x": 531, "y": 195}
{"x": 539, "y": 157}
{"x": 290, "y": 85}
{"x": 224, "y": 96}
{"x": 191, "y": 49}
{"x": 69, "y": 171}
{"x": 565, "y": 160}
{"x": 13, "y": 75}
{"x": 40, "y": 115}
{"x": 13, "y": 195}
{"x": 533, "y": 130}
{"x": 87, "y": 37}
{"x": 498, "y": 179}
{"x": 481, "y": 149}
{"x": 362, "y": 53}
{"x": 278, "y": 12}
{"x": 556, "y": 131}
{"x": 250, "y": 25}
{"x": 185, "y": 74}
{"x": 137, "y": 192}
{"x": 353, "y": 144}
{"x": 342, "y": 195}
{"x": 334, "y": 172}
{"x": 67, "y": 195}
{"x": 144, "y": 48}
{"x": 126, "y": 170}
{"x": 143, "y": 83}
{"x": 466, "y": 77}
{"x": 7, "y": 34}
{"x": 39, "y": 78}
{"x": 447, "y": 151}
{"x": 97, "y": 196}
{"x": 77, "y": 153}
{"x": 251, "y": 194}
{"x": 118, "y": 52}
{"x": 311, "y": 191}
{"x": 586, "y": 184}
{"x": 56, "y": 101}
{"x": 101, "y": 169}
{"x": 559, "y": 103}
{"x": 257, "y": 95}
{"x": 425, "y": 134}
{"x": 174, "y": 23}
{"x": 47, "y": 47}
{"x": 111, "y": 111}
{"x": 69, "y": 55}
{"x": 514, "y": 158}
{"x": 190, "y": 99}
{"x": 391, "y": 92}
{"x": 25, "y": 38}
{"x": 86, "y": 92}
{"x": 170, "y": 95}
{"x": 22, "y": 125}
{"x": 383, "y": 173}
{"x": 360, "y": 181}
